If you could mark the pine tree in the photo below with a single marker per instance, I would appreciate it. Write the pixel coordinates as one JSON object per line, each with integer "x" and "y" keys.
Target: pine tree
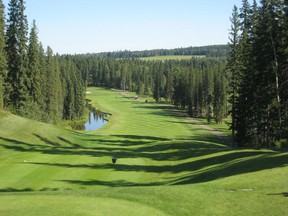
{"x": 54, "y": 98}
{"x": 283, "y": 76}
{"x": 168, "y": 91}
{"x": 233, "y": 66}
{"x": 44, "y": 84}
{"x": 3, "y": 63}
{"x": 34, "y": 70}
{"x": 16, "y": 49}
{"x": 219, "y": 100}
{"x": 262, "y": 65}
{"x": 244, "y": 102}
{"x": 159, "y": 82}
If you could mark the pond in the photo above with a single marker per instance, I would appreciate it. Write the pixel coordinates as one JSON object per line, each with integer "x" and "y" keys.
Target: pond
{"x": 96, "y": 120}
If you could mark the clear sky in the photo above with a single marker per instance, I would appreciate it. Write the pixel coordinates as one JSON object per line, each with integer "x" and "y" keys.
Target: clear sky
{"x": 91, "y": 26}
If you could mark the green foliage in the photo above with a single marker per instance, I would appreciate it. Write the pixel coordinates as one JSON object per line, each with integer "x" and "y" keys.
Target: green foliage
{"x": 258, "y": 66}
{"x": 33, "y": 87}
{"x": 188, "y": 84}
{"x": 34, "y": 69}
{"x": 167, "y": 54}
{"x": 73, "y": 90}
{"x": 3, "y": 62}
{"x": 172, "y": 57}
{"x": 16, "y": 49}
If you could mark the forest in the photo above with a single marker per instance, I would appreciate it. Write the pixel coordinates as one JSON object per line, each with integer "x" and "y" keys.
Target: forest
{"x": 35, "y": 83}
{"x": 209, "y": 51}
{"x": 246, "y": 80}
{"x": 188, "y": 131}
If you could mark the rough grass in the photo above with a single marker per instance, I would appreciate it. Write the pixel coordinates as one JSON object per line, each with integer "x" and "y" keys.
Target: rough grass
{"x": 166, "y": 166}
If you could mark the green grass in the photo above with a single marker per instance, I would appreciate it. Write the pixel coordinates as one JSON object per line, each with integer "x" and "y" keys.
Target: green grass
{"x": 166, "y": 166}
{"x": 171, "y": 57}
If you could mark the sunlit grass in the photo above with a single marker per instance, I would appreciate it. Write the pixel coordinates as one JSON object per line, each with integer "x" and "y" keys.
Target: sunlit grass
{"x": 166, "y": 166}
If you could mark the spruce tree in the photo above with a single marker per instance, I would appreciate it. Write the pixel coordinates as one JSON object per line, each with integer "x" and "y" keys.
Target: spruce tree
{"x": 16, "y": 49}
{"x": 260, "y": 100}
{"x": 3, "y": 63}
{"x": 54, "y": 97}
{"x": 34, "y": 69}
{"x": 233, "y": 66}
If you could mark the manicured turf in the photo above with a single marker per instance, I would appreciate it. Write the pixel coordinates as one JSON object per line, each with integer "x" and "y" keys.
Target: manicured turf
{"x": 166, "y": 166}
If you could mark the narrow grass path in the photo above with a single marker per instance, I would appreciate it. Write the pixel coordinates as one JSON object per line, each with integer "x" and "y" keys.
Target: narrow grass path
{"x": 166, "y": 165}
{"x": 212, "y": 130}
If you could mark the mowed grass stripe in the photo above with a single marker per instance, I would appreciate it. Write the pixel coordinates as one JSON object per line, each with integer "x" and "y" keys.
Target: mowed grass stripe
{"x": 166, "y": 165}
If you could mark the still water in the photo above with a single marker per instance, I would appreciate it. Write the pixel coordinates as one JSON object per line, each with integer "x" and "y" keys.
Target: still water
{"x": 96, "y": 120}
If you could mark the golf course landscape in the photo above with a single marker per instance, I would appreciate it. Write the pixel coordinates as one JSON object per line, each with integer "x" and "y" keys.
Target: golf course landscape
{"x": 166, "y": 165}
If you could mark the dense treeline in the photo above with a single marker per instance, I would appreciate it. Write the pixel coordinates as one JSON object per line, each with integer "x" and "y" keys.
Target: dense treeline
{"x": 208, "y": 51}
{"x": 252, "y": 85}
{"x": 33, "y": 82}
{"x": 258, "y": 67}
{"x": 197, "y": 85}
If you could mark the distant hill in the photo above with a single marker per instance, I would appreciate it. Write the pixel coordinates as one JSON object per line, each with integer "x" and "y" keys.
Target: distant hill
{"x": 208, "y": 51}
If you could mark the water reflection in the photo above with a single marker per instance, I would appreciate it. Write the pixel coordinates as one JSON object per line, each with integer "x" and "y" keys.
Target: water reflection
{"x": 96, "y": 120}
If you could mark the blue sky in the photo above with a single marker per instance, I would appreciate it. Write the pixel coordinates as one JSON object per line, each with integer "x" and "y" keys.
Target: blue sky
{"x": 89, "y": 26}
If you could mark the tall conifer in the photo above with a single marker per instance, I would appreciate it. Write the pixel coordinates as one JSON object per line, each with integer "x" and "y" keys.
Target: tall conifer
{"x": 34, "y": 68}
{"x": 233, "y": 66}
{"x": 3, "y": 63}
{"x": 16, "y": 49}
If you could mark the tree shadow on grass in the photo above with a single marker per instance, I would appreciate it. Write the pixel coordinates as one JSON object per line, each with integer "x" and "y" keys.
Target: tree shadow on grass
{"x": 188, "y": 161}
{"x": 14, "y": 190}
{"x": 46, "y": 140}
{"x": 136, "y": 137}
{"x": 226, "y": 169}
{"x": 199, "y": 170}
{"x": 284, "y": 194}
{"x": 218, "y": 161}
{"x": 11, "y": 190}
{"x": 261, "y": 162}
{"x": 163, "y": 110}
{"x": 119, "y": 183}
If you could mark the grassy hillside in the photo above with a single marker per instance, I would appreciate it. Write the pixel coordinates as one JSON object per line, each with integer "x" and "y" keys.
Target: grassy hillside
{"x": 166, "y": 166}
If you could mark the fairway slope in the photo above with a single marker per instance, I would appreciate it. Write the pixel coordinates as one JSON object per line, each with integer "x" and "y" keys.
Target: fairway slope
{"x": 167, "y": 165}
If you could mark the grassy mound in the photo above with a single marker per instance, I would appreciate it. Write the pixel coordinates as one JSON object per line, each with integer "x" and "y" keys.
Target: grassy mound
{"x": 166, "y": 166}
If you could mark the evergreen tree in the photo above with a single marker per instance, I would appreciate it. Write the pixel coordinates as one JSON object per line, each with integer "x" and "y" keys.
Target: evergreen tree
{"x": 168, "y": 91}
{"x": 16, "y": 49}
{"x": 233, "y": 66}
{"x": 54, "y": 98}
{"x": 3, "y": 63}
{"x": 34, "y": 70}
{"x": 219, "y": 96}
{"x": 262, "y": 64}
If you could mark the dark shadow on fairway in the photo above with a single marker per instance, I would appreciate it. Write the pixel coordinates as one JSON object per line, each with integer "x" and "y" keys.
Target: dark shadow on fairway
{"x": 152, "y": 138}
{"x": 120, "y": 183}
{"x": 46, "y": 140}
{"x": 220, "y": 161}
{"x": 284, "y": 194}
{"x": 236, "y": 167}
{"x": 203, "y": 170}
{"x": 14, "y": 190}
{"x": 163, "y": 110}
{"x": 65, "y": 140}
{"x": 11, "y": 190}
